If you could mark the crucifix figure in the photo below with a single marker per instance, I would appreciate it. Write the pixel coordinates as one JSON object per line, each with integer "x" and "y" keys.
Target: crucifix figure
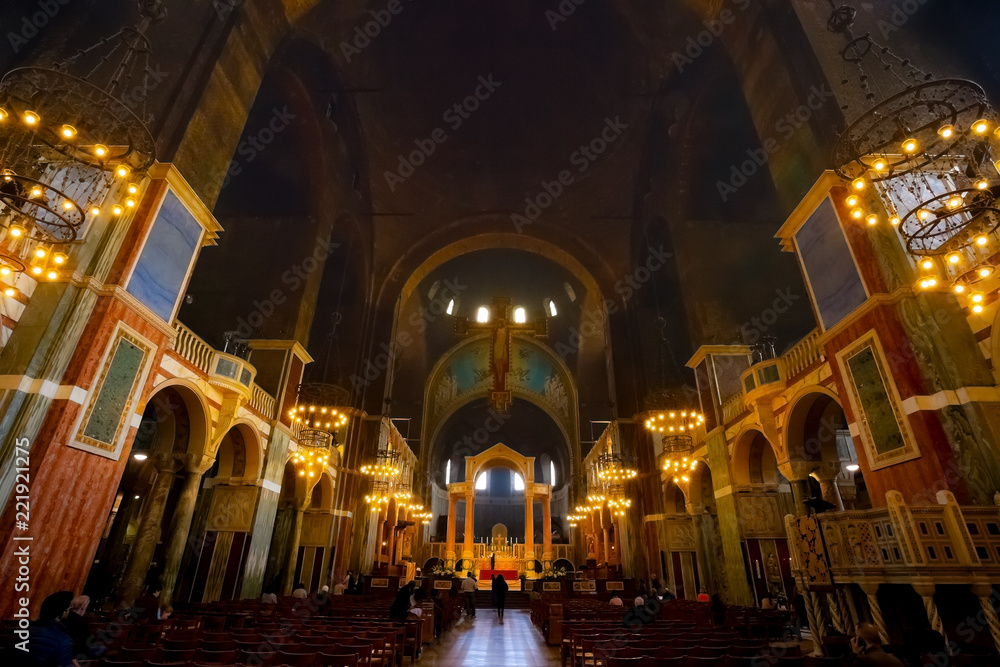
{"x": 500, "y": 326}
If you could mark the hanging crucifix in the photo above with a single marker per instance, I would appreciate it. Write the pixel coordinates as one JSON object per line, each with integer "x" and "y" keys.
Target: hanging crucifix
{"x": 500, "y": 326}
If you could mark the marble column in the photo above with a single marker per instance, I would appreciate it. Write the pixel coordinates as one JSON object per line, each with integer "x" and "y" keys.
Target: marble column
{"x": 294, "y": 537}
{"x": 546, "y": 531}
{"x": 985, "y": 594}
{"x": 379, "y": 539}
{"x": 529, "y": 531}
{"x": 468, "y": 549}
{"x": 871, "y": 590}
{"x": 831, "y": 493}
{"x": 180, "y": 525}
{"x": 150, "y": 526}
{"x": 390, "y": 552}
{"x": 816, "y": 615}
{"x": 449, "y": 546}
{"x": 606, "y": 535}
{"x": 800, "y": 492}
{"x": 926, "y": 592}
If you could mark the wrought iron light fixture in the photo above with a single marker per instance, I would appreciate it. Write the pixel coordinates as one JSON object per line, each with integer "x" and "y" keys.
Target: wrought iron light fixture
{"x": 318, "y": 420}
{"x": 70, "y": 150}
{"x": 923, "y": 157}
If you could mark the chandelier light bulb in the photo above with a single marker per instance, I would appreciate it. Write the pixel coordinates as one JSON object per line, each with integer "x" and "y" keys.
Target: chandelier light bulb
{"x": 67, "y": 131}
{"x": 927, "y": 264}
{"x": 880, "y": 164}
{"x": 977, "y": 309}
{"x": 130, "y": 202}
{"x": 931, "y": 282}
{"x": 985, "y": 272}
{"x": 17, "y": 231}
{"x": 955, "y": 202}
{"x": 100, "y": 150}
{"x": 133, "y": 188}
{"x": 959, "y": 289}
{"x": 977, "y": 297}
{"x": 894, "y": 220}
{"x": 122, "y": 171}
{"x": 872, "y": 219}
{"x": 982, "y": 184}
{"x": 910, "y": 146}
{"x": 3, "y": 114}
{"x": 857, "y": 214}
{"x": 31, "y": 118}
{"x": 858, "y": 184}
{"x": 36, "y": 191}
{"x": 981, "y": 126}
{"x": 95, "y": 210}
{"x": 52, "y": 274}
{"x": 981, "y": 240}
{"x": 67, "y": 205}
{"x": 36, "y": 270}
{"x": 10, "y": 291}
{"x": 946, "y": 131}
{"x": 40, "y": 252}
{"x": 954, "y": 258}
{"x": 5, "y": 270}
{"x": 118, "y": 210}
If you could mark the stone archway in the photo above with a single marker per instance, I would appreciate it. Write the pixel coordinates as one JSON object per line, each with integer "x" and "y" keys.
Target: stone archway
{"x": 500, "y": 455}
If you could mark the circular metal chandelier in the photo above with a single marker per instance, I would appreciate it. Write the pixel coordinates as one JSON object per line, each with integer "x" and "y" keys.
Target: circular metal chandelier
{"x": 924, "y": 158}
{"x": 70, "y": 150}
{"x": 676, "y": 427}
{"x": 318, "y": 419}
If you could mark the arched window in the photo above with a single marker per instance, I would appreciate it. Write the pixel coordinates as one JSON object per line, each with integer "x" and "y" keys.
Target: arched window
{"x": 518, "y": 482}
{"x": 481, "y": 482}
{"x": 483, "y": 315}
{"x": 447, "y": 472}
{"x": 451, "y": 307}
{"x": 552, "y": 473}
{"x": 520, "y": 316}
{"x": 550, "y": 307}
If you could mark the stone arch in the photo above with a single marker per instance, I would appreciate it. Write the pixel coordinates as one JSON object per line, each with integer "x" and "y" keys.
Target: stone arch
{"x": 701, "y": 491}
{"x": 323, "y": 493}
{"x": 182, "y": 418}
{"x": 674, "y": 498}
{"x": 754, "y": 459}
{"x": 815, "y": 415}
{"x": 500, "y": 456}
{"x": 240, "y": 455}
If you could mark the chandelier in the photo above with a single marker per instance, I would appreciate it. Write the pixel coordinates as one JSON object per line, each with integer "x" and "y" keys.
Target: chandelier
{"x": 70, "y": 151}
{"x": 611, "y": 468}
{"x": 380, "y": 494}
{"x": 318, "y": 422}
{"x": 386, "y": 464}
{"x": 922, "y": 157}
{"x": 676, "y": 427}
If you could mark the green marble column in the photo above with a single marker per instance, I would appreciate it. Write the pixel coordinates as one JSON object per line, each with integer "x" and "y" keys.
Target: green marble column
{"x": 180, "y": 525}
{"x": 150, "y": 526}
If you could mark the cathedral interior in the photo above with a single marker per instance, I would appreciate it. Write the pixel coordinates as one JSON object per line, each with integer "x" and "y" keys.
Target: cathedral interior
{"x": 697, "y": 291}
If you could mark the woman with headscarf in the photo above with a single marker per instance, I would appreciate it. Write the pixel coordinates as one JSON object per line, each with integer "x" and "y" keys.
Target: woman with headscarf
{"x": 500, "y": 594}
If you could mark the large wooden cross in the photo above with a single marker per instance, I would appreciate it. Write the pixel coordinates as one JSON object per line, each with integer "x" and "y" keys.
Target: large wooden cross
{"x": 500, "y": 326}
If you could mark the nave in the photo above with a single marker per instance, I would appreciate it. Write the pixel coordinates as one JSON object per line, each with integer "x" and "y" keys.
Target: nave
{"x": 484, "y": 642}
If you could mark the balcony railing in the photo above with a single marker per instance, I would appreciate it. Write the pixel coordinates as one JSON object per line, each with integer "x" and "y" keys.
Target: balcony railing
{"x": 897, "y": 542}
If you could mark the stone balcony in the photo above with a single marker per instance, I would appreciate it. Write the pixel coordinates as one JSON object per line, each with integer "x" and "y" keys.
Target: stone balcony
{"x": 900, "y": 543}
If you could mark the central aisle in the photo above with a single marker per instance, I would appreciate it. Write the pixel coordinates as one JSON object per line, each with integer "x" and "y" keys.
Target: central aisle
{"x": 483, "y": 642}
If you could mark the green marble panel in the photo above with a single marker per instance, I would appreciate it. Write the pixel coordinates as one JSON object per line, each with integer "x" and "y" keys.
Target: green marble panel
{"x": 875, "y": 401}
{"x": 116, "y": 390}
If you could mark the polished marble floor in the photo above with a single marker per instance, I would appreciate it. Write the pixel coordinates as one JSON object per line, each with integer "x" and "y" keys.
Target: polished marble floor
{"x": 483, "y": 642}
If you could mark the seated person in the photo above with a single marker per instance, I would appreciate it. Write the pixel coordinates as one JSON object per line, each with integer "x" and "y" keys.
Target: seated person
{"x": 616, "y": 601}
{"x": 300, "y": 592}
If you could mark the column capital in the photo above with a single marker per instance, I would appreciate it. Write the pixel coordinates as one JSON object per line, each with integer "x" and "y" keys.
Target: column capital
{"x": 170, "y": 464}
{"x": 197, "y": 464}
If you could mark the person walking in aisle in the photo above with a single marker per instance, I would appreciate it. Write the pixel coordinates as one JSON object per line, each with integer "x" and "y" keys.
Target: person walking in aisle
{"x": 500, "y": 588}
{"x": 469, "y": 590}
